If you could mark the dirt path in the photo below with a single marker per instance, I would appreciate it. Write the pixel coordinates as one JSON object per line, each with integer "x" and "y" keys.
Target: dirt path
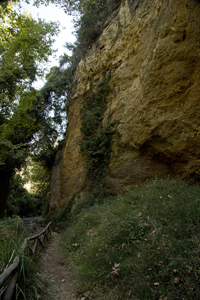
{"x": 62, "y": 281}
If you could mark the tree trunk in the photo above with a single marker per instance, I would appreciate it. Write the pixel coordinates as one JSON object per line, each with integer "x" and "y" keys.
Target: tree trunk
{"x": 4, "y": 189}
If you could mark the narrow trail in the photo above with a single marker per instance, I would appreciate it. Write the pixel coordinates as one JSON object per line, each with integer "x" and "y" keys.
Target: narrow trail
{"x": 61, "y": 280}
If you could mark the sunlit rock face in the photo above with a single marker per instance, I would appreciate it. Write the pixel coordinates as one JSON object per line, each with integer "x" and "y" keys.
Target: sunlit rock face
{"x": 153, "y": 50}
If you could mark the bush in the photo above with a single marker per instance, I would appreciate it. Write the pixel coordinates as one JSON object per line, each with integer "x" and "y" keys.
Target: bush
{"x": 90, "y": 25}
{"x": 20, "y": 202}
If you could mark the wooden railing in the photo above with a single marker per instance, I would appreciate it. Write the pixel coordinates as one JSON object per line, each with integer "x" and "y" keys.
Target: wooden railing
{"x": 32, "y": 245}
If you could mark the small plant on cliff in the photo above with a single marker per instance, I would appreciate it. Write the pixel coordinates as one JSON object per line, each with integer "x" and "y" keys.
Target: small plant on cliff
{"x": 96, "y": 139}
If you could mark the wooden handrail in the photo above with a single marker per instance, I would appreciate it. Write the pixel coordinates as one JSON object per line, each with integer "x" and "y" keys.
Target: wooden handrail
{"x": 13, "y": 269}
{"x": 8, "y": 271}
{"x": 39, "y": 234}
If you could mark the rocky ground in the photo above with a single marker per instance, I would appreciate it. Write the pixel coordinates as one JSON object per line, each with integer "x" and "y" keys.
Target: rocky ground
{"x": 36, "y": 224}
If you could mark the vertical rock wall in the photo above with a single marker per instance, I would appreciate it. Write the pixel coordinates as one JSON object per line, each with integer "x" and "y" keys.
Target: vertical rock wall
{"x": 153, "y": 50}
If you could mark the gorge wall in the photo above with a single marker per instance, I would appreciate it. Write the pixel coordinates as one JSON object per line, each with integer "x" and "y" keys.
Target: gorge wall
{"x": 152, "y": 48}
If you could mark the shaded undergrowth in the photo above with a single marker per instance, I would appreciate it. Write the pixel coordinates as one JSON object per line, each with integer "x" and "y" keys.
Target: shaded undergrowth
{"x": 12, "y": 235}
{"x": 143, "y": 244}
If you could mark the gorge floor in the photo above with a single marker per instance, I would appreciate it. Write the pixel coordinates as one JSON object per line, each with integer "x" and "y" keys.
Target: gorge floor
{"x": 61, "y": 280}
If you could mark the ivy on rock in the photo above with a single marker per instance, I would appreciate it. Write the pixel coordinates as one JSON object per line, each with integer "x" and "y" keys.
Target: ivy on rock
{"x": 96, "y": 138}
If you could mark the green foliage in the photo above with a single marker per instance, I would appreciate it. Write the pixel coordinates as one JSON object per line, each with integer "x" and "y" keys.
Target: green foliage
{"x": 58, "y": 80}
{"x": 46, "y": 156}
{"x": 64, "y": 216}
{"x": 61, "y": 218}
{"x": 143, "y": 244}
{"x": 96, "y": 139}
{"x": 25, "y": 45}
{"x": 20, "y": 202}
{"x": 36, "y": 175}
{"x": 12, "y": 235}
{"x": 10, "y": 154}
{"x": 79, "y": 6}
{"x": 26, "y": 125}
{"x": 90, "y": 24}
{"x": 29, "y": 281}
{"x": 54, "y": 95}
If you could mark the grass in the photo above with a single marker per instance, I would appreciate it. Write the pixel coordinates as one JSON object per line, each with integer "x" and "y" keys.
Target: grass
{"x": 142, "y": 245}
{"x": 12, "y": 235}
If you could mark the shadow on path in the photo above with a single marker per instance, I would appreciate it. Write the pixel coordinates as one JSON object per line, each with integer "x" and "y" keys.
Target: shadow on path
{"x": 61, "y": 280}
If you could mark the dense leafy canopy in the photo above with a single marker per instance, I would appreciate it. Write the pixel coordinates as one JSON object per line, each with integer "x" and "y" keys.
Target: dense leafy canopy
{"x": 70, "y": 6}
{"x": 25, "y": 45}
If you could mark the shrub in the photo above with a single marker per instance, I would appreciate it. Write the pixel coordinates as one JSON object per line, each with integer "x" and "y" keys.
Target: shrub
{"x": 20, "y": 202}
{"x": 90, "y": 25}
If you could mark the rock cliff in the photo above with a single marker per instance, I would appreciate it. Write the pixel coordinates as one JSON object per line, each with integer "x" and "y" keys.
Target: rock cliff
{"x": 152, "y": 48}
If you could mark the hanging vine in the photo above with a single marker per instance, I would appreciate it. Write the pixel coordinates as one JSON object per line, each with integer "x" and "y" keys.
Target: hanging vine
{"x": 96, "y": 138}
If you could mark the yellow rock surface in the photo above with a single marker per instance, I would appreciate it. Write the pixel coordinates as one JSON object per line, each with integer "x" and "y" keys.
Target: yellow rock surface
{"x": 153, "y": 49}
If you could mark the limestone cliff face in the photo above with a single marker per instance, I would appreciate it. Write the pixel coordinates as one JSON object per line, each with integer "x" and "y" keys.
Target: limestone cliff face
{"x": 153, "y": 49}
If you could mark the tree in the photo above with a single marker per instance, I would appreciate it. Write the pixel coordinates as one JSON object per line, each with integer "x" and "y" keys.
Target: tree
{"x": 25, "y": 45}
{"x": 78, "y": 6}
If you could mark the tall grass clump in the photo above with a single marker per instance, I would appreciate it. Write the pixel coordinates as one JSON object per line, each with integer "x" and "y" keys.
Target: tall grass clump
{"x": 143, "y": 244}
{"x": 12, "y": 235}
